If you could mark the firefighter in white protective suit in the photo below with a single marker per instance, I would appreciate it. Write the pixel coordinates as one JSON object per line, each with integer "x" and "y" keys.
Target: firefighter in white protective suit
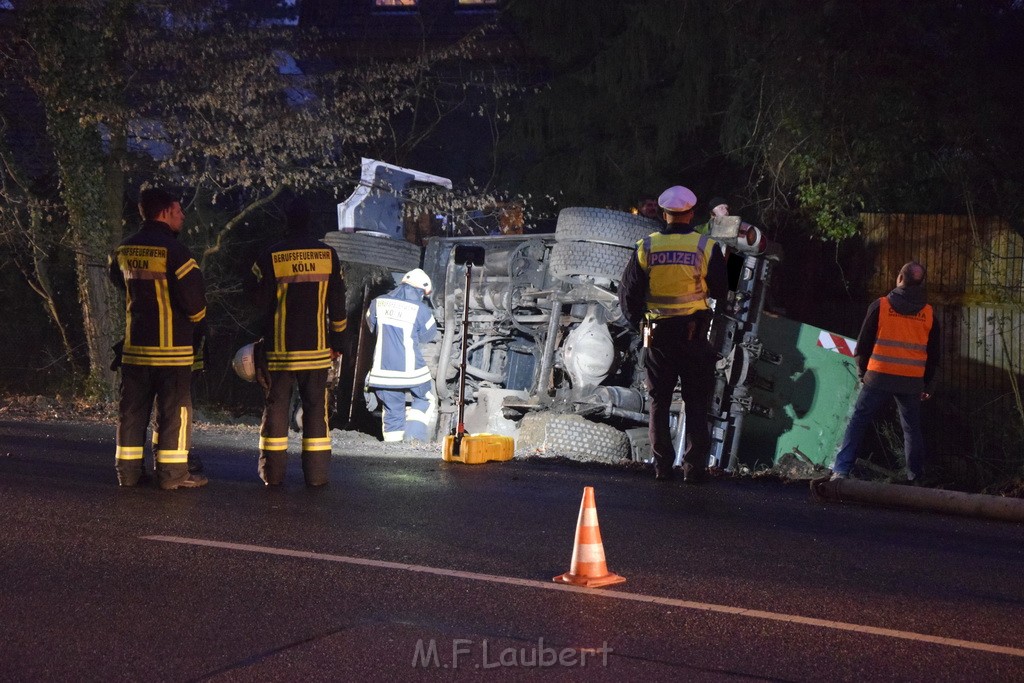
{"x": 403, "y": 323}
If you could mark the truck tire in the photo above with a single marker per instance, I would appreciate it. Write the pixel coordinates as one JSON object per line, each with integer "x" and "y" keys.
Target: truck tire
{"x": 575, "y": 260}
{"x": 374, "y": 250}
{"x": 603, "y": 226}
{"x": 573, "y": 437}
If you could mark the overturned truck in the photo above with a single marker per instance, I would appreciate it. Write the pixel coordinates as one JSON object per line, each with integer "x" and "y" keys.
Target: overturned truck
{"x": 552, "y": 362}
{"x": 550, "y": 359}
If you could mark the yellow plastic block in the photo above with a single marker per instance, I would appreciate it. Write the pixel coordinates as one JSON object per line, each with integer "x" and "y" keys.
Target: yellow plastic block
{"x": 479, "y": 448}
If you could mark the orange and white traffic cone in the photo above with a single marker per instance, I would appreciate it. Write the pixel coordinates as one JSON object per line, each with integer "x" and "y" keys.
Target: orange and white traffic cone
{"x": 588, "y": 567}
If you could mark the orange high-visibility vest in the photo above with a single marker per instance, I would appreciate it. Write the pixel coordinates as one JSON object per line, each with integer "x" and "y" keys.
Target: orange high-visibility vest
{"x": 676, "y": 265}
{"x": 902, "y": 344}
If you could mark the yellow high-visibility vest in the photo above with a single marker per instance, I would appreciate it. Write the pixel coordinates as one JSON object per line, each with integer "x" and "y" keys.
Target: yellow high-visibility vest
{"x": 676, "y": 265}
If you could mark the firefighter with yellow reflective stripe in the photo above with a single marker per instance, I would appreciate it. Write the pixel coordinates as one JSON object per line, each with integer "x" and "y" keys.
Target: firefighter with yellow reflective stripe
{"x": 165, "y": 301}
{"x": 665, "y": 289}
{"x": 299, "y": 290}
{"x": 898, "y": 352}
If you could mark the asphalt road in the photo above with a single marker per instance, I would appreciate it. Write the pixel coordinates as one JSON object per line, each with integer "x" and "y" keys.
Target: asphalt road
{"x": 408, "y": 567}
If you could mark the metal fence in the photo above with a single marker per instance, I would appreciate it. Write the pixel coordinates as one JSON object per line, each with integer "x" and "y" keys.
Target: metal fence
{"x": 976, "y": 284}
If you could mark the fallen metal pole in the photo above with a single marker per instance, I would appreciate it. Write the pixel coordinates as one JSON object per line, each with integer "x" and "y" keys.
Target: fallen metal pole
{"x": 934, "y": 500}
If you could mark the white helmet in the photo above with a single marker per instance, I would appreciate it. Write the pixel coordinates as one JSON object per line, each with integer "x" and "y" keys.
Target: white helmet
{"x": 417, "y": 278}
{"x": 244, "y": 363}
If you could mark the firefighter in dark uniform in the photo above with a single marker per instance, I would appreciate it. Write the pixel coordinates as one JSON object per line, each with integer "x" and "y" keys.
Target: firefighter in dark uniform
{"x": 665, "y": 287}
{"x": 199, "y": 349}
{"x": 299, "y": 290}
{"x": 165, "y": 302}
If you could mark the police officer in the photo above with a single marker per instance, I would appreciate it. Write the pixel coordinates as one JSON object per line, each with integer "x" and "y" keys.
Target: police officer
{"x": 898, "y": 352}
{"x": 403, "y": 322}
{"x": 165, "y": 302}
{"x": 666, "y": 286}
{"x": 298, "y": 287}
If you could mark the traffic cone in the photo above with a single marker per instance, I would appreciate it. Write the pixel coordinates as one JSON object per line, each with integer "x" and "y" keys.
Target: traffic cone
{"x": 588, "y": 567}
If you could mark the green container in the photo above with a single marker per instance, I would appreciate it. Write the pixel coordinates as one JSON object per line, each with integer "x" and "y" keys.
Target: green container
{"x": 810, "y": 394}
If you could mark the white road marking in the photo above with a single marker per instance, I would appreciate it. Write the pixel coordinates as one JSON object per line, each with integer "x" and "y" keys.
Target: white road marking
{"x": 602, "y": 593}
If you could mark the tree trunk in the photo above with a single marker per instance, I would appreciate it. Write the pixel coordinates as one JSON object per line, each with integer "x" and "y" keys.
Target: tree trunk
{"x": 94, "y": 296}
{"x": 90, "y": 181}
{"x": 113, "y": 230}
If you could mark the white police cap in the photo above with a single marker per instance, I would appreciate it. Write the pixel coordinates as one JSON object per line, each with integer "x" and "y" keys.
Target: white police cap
{"x": 677, "y": 198}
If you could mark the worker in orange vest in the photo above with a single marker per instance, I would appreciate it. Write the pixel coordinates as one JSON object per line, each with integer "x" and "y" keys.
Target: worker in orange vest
{"x": 897, "y": 355}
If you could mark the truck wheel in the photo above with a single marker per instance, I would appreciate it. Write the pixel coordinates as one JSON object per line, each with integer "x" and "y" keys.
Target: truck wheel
{"x": 603, "y": 226}
{"x": 574, "y": 260}
{"x": 573, "y": 437}
{"x": 374, "y": 250}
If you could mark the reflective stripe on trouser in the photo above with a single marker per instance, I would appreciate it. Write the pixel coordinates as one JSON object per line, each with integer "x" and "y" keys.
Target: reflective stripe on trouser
{"x": 422, "y": 412}
{"x": 395, "y": 427}
{"x": 171, "y": 387}
{"x": 191, "y": 455}
{"x": 316, "y": 451}
{"x": 671, "y": 358}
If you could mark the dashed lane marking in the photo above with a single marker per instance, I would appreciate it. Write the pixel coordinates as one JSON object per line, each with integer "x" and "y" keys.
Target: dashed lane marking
{"x": 602, "y": 593}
